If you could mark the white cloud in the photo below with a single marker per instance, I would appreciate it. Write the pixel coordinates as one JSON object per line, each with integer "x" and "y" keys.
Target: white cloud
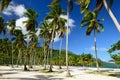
{"x": 92, "y": 48}
{"x": 19, "y": 10}
{"x": 14, "y": 8}
{"x": 102, "y": 49}
{"x": 71, "y": 21}
{"x": 20, "y": 25}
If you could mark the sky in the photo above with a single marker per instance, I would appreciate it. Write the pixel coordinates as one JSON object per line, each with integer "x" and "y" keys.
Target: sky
{"x": 78, "y": 41}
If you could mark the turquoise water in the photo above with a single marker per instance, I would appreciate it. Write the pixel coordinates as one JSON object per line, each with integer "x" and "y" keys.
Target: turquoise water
{"x": 111, "y": 67}
{"x": 117, "y": 67}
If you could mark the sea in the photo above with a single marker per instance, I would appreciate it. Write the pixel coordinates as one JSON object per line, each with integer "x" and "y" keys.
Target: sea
{"x": 111, "y": 67}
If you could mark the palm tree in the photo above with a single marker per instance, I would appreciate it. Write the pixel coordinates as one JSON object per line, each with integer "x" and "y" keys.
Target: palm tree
{"x": 82, "y": 56}
{"x": 90, "y": 20}
{"x": 31, "y": 23}
{"x": 46, "y": 35}
{"x": 69, "y": 9}
{"x": 33, "y": 44}
{"x": 5, "y": 50}
{"x": 99, "y": 4}
{"x": 61, "y": 33}
{"x": 114, "y": 47}
{"x": 111, "y": 14}
{"x": 116, "y": 57}
{"x": 12, "y": 24}
{"x": 54, "y": 15}
{"x": 84, "y": 5}
{"x": 20, "y": 44}
{"x": 4, "y": 4}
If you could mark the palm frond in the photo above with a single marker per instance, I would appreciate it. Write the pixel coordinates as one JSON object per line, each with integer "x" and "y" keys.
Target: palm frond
{"x": 84, "y": 5}
{"x": 90, "y": 28}
{"x": 55, "y": 2}
{"x": 110, "y": 3}
{"x": 98, "y": 6}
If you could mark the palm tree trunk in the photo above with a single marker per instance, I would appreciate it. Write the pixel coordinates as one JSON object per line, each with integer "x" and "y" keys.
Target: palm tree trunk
{"x": 34, "y": 57}
{"x": 18, "y": 57}
{"x": 31, "y": 59}
{"x": 12, "y": 55}
{"x": 68, "y": 72}
{"x": 50, "y": 69}
{"x": 44, "y": 56}
{"x": 83, "y": 61}
{"x": 48, "y": 58}
{"x": 25, "y": 59}
{"x": 60, "y": 54}
{"x": 25, "y": 63}
{"x": 111, "y": 15}
{"x": 97, "y": 65}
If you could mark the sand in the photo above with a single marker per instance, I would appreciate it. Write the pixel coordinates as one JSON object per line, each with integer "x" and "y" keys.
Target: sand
{"x": 78, "y": 73}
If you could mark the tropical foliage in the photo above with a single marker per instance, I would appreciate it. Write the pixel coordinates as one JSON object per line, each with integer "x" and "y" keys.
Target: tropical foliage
{"x": 57, "y": 23}
{"x": 115, "y": 57}
{"x": 90, "y": 20}
{"x": 4, "y": 4}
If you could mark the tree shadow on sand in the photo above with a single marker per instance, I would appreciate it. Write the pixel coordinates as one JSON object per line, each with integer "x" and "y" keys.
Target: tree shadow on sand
{"x": 116, "y": 74}
{"x": 6, "y": 73}
{"x": 19, "y": 79}
{"x": 47, "y": 77}
{"x": 106, "y": 73}
{"x": 38, "y": 77}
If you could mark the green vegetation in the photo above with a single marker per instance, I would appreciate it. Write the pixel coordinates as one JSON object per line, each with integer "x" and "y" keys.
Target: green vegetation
{"x": 90, "y": 20}
{"x": 115, "y": 57}
{"x": 74, "y": 59}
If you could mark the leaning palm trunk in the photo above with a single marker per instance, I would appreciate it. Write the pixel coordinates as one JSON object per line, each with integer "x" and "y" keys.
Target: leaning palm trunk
{"x": 44, "y": 56}
{"x": 25, "y": 63}
{"x": 45, "y": 61}
{"x": 50, "y": 69}
{"x": 60, "y": 54}
{"x": 48, "y": 57}
{"x": 31, "y": 59}
{"x": 25, "y": 59}
{"x": 97, "y": 65}
{"x": 19, "y": 58}
{"x": 34, "y": 60}
{"x": 111, "y": 15}
{"x": 68, "y": 72}
{"x": 12, "y": 55}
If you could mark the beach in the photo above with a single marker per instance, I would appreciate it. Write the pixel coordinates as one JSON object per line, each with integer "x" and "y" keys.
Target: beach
{"x": 37, "y": 73}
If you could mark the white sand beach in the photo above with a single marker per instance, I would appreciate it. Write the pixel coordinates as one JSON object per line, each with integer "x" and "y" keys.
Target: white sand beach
{"x": 78, "y": 73}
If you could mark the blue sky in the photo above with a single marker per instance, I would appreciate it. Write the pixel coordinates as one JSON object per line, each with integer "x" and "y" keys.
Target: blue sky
{"x": 78, "y": 41}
